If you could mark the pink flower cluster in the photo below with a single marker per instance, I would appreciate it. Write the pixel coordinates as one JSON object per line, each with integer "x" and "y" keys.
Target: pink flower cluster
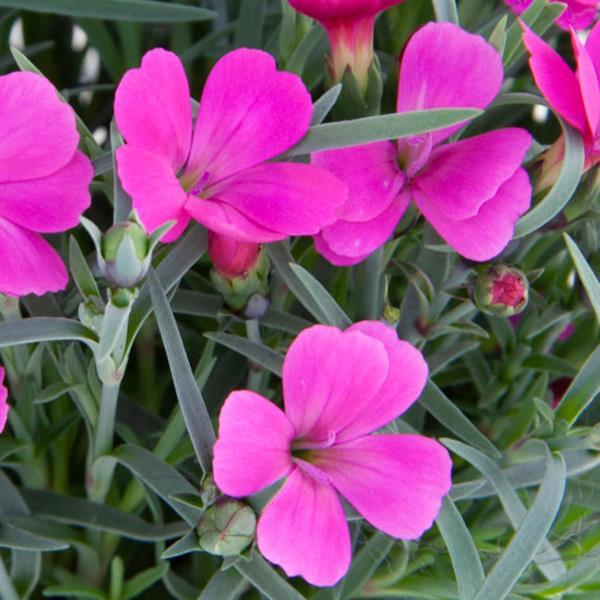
{"x": 338, "y": 388}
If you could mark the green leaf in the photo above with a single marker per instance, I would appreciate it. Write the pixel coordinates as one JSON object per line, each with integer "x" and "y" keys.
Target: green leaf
{"x": 54, "y": 391}
{"x": 188, "y": 543}
{"x": 142, "y": 581}
{"x": 446, "y": 412}
{"x": 250, "y": 24}
{"x": 92, "y": 515}
{"x": 303, "y": 51}
{"x": 17, "y": 538}
{"x": 159, "y": 476}
{"x": 192, "y": 405}
{"x": 258, "y": 353}
{"x": 564, "y": 188}
{"x": 547, "y": 558}
{"x": 74, "y": 590}
{"x": 534, "y": 528}
{"x": 143, "y": 11}
{"x": 224, "y": 585}
{"x": 582, "y": 391}
{"x": 82, "y": 274}
{"x": 463, "y": 553}
{"x": 122, "y": 201}
{"x": 258, "y": 572}
{"x": 44, "y": 329}
{"x": 376, "y": 129}
{"x": 498, "y": 36}
{"x": 588, "y": 277}
{"x": 445, "y": 10}
{"x": 327, "y": 305}
{"x": 322, "y": 107}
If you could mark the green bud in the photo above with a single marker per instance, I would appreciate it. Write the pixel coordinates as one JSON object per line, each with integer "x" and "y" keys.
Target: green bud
{"x": 125, "y": 254}
{"x": 501, "y": 291}
{"x": 227, "y": 528}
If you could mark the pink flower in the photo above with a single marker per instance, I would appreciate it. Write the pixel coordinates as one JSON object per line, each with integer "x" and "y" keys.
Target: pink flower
{"x": 3, "y": 404}
{"x": 216, "y": 171}
{"x": 338, "y": 388}
{"x": 350, "y": 25}
{"x": 579, "y": 14}
{"x": 44, "y": 183}
{"x": 472, "y": 191}
{"x": 574, "y": 96}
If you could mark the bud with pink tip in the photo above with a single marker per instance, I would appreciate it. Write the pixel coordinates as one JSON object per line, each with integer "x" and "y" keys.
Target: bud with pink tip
{"x": 501, "y": 291}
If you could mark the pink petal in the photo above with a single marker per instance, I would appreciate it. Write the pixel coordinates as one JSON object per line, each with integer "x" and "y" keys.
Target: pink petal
{"x": 29, "y": 264}
{"x": 335, "y": 259}
{"x": 589, "y": 83}
{"x": 290, "y": 198}
{"x": 52, "y": 203}
{"x": 4, "y": 408}
{"x": 485, "y": 235}
{"x": 37, "y": 129}
{"x": 592, "y": 46}
{"x": 223, "y": 219}
{"x": 249, "y": 113}
{"x": 329, "y": 376}
{"x": 303, "y": 529}
{"x": 331, "y": 9}
{"x": 445, "y": 67}
{"x": 156, "y": 193}
{"x": 463, "y": 175}
{"x": 579, "y": 15}
{"x": 396, "y": 482}
{"x": 405, "y": 381}
{"x": 556, "y": 80}
{"x": 372, "y": 175}
{"x": 153, "y": 108}
{"x": 357, "y": 240}
{"x": 253, "y": 449}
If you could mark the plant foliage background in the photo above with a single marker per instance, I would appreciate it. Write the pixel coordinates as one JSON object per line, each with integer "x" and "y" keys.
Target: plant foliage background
{"x": 82, "y": 515}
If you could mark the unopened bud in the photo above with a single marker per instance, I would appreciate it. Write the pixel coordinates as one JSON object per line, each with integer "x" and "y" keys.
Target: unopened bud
{"x": 125, "y": 254}
{"x": 501, "y": 291}
{"x": 227, "y": 528}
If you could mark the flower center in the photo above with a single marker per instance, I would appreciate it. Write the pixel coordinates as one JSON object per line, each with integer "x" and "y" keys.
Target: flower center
{"x": 414, "y": 152}
{"x": 193, "y": 184}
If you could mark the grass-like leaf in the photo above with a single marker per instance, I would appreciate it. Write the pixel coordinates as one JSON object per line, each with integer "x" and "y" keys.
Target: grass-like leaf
{"x": 588, "y": 277}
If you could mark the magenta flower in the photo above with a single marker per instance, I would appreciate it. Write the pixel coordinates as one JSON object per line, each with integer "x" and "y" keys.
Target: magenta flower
{"x": 216, "y": 171}
{"x": 3, "y": 404}
{"x": 579, "y": 14}
{"x": 472, "y": 191}
{"x": 574, "y": 96}
{"x": 350, "y": 26}
{"x": 44, "y": 183}
{"x": 338, "y": 388}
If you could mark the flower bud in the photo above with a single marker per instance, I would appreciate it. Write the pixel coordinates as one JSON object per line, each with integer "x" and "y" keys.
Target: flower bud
{"x": 241, "y": 270}
{"x": 501, "y": 291}
{"x": 227, "y": 528}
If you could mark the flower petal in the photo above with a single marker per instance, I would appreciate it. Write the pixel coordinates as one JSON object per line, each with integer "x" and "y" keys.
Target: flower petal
{"x": 396, "y": 482}
{"x": 356, "y": 240}
{"x": 4, "y": 408}
{"x": 324, "y": 10}
{"x": 52, "y": 203}
{"x": 29, "y": 264}
{"x": 445, "y": 67}
{"x": 485, "y": 235}
{"x": 592, "y": 46}
{"x": 556, "y": 80}
{"x": 405, "y": 381}
{"x": 253, "y": 449}
{"x": 372, "y": 175}
{"x": 249, "y": 113}
{"x": 153, "y": 108}
{"x": 37, "y": 129}
{"x": 290, "y": 198}
{"x": 303, "y": 529}
{"x": 329, "y": 376}
{"x": 156, "y": 193}
{"x": 589, "y": 83}
{"x": 462, "y": 176}
{"x": 335, "y": 259}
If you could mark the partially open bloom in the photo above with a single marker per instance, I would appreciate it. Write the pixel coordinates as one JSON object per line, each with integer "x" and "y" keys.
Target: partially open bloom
{"x": 350, "y": 25}
{"x": 3, "y": 404}
{"x": 501, "y": 291}
{"x": 216, "y": 170}
{"x": 472, "y": 191}
{"x": 574, "y": 96}
{"x": 338, "y": 387}
{"x": 44, "y": 183}
{"x": 579, "y": 14}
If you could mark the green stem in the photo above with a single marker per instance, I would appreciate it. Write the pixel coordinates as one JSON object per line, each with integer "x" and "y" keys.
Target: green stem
{"x": 254, "y": 372}
{"x": 370, "y": 273}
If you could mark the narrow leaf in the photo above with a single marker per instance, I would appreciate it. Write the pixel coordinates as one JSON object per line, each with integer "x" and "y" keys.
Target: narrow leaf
{"x": 44, "y": 329}
{"x": 588, "y": 277}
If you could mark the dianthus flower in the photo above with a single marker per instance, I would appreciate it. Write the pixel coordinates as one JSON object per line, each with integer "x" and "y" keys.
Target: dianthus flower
{"x": 44, "y": 183}
{"x": 338, "y": 388}
{"x": 3, "y": 404}
{"x": 579, "y": 14}
{"x": 472, "y": 191}
{"x": 216, "y": 170}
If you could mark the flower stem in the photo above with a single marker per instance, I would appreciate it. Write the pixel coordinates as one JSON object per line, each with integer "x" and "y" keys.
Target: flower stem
{"x": 254, "y": 373}
{"x": 370, "y": 275}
